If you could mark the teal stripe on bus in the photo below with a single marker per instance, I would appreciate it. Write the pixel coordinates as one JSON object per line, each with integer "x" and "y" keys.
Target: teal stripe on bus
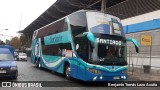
{"x": 62, "y": 37}
{"x": 51, "y": 59}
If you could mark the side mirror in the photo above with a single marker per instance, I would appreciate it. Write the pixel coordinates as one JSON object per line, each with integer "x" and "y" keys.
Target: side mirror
{"x": 90, "y": 36}
{"x": 135, "y": 42}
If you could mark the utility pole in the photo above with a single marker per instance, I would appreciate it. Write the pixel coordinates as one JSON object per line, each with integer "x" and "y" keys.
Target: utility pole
{"x": 20, "y": 22}
{"x": 103, "y": 5}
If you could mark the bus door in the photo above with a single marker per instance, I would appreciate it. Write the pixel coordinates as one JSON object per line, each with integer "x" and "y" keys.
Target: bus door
{"x": 82, "y": 52}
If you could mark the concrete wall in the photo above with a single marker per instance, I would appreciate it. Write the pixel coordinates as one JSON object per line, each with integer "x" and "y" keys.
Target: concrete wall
{"x": 148, "y": 24}
{"x": 146, "y": 49}
{"x": 141, "y": 18}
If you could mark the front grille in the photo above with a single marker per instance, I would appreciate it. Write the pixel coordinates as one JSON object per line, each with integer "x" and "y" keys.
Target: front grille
{"x": 4, "y": 68}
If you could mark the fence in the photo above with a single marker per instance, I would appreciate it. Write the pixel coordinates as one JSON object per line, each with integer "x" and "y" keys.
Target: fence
{"x": 147, "y": 61}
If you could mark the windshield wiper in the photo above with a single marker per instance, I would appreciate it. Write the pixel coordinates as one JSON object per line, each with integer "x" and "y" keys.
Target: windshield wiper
{"x": 93, "y": 61}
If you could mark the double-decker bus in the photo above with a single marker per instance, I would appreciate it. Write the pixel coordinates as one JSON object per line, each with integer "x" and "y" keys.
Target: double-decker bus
{"x": 86, "y": 45}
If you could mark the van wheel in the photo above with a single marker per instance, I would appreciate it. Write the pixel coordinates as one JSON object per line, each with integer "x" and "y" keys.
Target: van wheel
{"x": 68, "y": 71}
{"x": 15, "y": 76}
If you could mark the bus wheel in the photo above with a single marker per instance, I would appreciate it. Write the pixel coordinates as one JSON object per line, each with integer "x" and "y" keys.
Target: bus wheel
{"x": 38, "y": 65}
{"x": 37, "y": 62}
{"x": 67, "y": 72}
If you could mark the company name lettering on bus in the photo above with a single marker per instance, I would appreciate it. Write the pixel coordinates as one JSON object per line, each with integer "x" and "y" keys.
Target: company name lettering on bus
{"x": 55, "y": 39}
{"x": 109, "y": 41}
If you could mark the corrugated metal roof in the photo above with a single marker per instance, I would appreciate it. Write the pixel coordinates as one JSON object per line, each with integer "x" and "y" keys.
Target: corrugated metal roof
{"x": 131, "y": 8}
{"x": 120, "y": 8}
{"x": 62, "y": 8}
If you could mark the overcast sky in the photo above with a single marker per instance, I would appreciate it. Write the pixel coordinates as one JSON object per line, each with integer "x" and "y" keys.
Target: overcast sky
{"x": 10, "y": 14}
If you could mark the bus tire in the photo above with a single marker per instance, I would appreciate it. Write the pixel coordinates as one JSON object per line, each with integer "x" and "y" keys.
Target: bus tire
{"x": 37, "y": 61}
{"x": 67, "y": 71}
{"x": 39, "y": 64}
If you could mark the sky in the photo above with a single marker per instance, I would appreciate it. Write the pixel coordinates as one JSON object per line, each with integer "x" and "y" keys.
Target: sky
{"x": 12, "y": 12}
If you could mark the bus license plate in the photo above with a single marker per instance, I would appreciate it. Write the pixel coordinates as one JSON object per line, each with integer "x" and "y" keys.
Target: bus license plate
{"x": 2, "y": 71}
{"x": 116, "y": 77}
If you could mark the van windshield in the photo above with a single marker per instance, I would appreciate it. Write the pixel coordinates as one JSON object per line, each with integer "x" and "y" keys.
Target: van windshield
{"x": 6, "y": 57}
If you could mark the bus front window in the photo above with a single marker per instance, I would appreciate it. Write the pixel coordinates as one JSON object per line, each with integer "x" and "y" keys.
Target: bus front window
{"x": 109, "y": 54}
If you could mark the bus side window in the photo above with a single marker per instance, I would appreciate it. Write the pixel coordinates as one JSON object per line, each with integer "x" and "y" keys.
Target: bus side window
{"x": 50, "y": 34}
{"x": 42, "y": 41}
{"x": 82, "y": 51}
{"x": 56, "y": 31}
{"x": 35, "y": 34}
{"x": 65, "y": 26}
{"x": 64, "y": 46}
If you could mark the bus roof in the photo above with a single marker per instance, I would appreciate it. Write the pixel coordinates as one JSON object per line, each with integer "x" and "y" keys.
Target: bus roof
{"x": 72, "y": 14}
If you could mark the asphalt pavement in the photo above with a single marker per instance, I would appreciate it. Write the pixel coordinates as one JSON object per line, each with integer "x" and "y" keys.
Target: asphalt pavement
{"x": 28, "y": 72}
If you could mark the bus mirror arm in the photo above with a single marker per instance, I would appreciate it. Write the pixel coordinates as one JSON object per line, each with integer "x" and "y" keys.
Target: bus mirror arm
{"x": 79, "y": 35}
{"x": 135, "y": 42}
{"x": 90, "y": 36}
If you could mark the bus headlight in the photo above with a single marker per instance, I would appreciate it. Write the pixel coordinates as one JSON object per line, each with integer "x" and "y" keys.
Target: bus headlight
{"x": 94, "y": 71}
{"x": 124, "y": 72}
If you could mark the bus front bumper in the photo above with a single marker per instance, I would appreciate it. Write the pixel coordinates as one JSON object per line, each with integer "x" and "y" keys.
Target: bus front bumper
{"x": 106, "y": 77}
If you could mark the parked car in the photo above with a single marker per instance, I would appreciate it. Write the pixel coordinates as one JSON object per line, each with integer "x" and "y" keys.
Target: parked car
{"x": 22, "y": 56}
{"x": 15, "y": 55}
{"x": 8, "y": 66}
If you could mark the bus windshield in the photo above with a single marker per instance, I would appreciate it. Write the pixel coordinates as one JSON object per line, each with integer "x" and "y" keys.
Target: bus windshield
{"x": 109, "y": 52}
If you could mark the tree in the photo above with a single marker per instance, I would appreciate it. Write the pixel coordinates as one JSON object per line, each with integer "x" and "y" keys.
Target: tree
{"x": 15, "y": 42}
{"x": 24, "y": 39}
{"x": 1, "y": 42}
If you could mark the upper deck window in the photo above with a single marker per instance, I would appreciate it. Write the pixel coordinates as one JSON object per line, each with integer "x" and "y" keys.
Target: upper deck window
{"x": 98, "y": 22}
{"x": 116, "y": 27}
{"x": 35, "y": 34}
{"x": 53, "y": 28}
{"x": 78, "y": 23}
